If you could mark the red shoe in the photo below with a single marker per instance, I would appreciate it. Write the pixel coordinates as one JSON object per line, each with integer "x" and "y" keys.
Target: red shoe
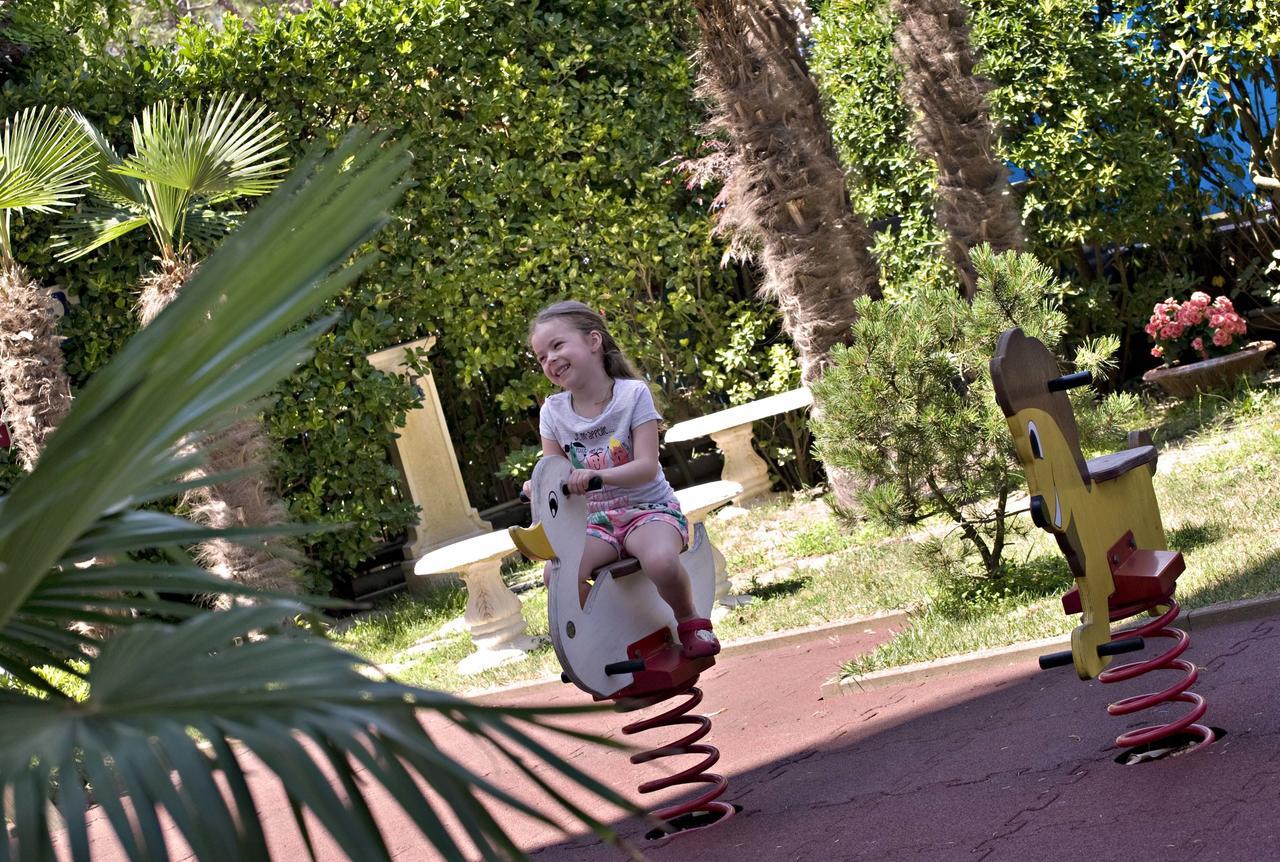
{"x": 697, "y": 640}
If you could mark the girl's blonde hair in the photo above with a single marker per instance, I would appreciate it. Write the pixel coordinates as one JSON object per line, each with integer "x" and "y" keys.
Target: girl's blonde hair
{"x": 585, "y": 320}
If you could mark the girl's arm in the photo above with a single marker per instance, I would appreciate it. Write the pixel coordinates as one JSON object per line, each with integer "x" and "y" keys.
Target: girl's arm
{"x": 641, "y": 469}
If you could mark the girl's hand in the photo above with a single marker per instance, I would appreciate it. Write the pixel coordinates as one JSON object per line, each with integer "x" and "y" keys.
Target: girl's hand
{"x": 526, "y": 490}
{"x": 578, "y": 480}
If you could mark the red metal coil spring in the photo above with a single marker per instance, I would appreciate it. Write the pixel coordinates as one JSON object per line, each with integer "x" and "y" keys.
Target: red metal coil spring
{"x": 696, "y": 774}
{"x": 1177, "y": 693}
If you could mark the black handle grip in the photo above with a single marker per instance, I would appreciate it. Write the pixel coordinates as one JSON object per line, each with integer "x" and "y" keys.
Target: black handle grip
{"x": 631, "y": 665}
{"x": 1055, "y": 659}
{"x": 595, "y": 483}
{"x": 1122, "y": 645}
{"x": 1059, "y": 659}
{"x": 1070, "y": 381}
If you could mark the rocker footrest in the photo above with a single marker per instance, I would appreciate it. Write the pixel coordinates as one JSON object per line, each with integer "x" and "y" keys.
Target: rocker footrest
{"x": 1141, "y": 576}
{"x": 659, "y": 666}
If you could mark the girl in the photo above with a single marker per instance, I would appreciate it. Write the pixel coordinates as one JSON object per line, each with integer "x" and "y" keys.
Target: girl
{"x": 606, "y": 424}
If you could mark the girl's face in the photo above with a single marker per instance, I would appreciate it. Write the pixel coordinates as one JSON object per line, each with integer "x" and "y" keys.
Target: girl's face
{"x": 565, "y": 354}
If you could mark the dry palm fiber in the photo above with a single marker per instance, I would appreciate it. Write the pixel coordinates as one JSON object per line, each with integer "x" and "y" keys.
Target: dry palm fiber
{"x": 34, "y": 386}
{"x": 247, "y": 501}
{"x": 952, "y": 127}
{"x": 161, "y": 287}
{"x": 784, "y": 197}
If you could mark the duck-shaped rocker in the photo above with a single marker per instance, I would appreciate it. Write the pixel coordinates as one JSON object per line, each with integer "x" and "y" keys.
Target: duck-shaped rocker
{"x": 621, "y": 642}
{"x": 1105, "y": 518}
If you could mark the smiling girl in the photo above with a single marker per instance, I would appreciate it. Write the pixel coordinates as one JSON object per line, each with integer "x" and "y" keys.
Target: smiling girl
{"x": 605, "y": 422}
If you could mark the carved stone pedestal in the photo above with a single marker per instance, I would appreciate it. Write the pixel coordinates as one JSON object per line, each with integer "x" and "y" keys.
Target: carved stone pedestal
{"x": 493, "y": 615}
{"x": 741, "y": 463}
{"x": 425, "y": 455}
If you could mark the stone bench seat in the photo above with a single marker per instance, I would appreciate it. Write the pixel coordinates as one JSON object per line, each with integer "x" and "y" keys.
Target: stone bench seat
{"x": 731, "y": 429}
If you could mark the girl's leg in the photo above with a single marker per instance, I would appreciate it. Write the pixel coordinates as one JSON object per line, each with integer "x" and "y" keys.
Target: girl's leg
{"x": 657, "y": 546}
{"x": 597, "y": 553}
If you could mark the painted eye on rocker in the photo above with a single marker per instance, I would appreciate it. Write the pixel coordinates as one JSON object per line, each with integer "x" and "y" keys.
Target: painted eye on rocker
{"x": 553, "y": 503}
{"x": 1034, "y": 436}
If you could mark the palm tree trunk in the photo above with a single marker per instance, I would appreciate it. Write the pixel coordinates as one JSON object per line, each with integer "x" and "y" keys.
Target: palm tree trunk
{"x": 34, "y": 386}
{"x": 248, "y": 501}
{"x": 953, "y": 128}
{"x": 784, "y": 193}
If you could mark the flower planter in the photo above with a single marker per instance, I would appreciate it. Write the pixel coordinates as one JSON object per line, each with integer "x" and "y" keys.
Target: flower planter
{"x": 1183, "y": 381}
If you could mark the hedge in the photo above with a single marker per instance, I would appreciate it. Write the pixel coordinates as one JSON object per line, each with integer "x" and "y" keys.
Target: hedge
{"x": 543, "y": 135}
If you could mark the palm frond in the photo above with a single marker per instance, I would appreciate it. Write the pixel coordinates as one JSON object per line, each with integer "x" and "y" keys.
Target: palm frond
{"x": 172, "y": 706}
{"x": 105, "y": 182}
{"x": 45, "y": 163}
{"x": 94, "y": 227}
{"x": 203, "y": 227}
{"x": 183, "y": 701}
{"x": 215, "y": 154}
{"x": 123, "y": 208}
{"x": 44, "y": 160}
{"x": 210, "y": 354}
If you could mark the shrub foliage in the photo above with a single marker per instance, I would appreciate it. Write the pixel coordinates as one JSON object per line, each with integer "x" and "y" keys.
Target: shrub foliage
{"x": 541, "y": 135}
{"x": 910, "y": 406}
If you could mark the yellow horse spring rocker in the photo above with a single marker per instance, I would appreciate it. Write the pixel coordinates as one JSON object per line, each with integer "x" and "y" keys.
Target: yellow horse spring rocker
{"x": 1104, "y": 516}
{"x": 620, "y": 644}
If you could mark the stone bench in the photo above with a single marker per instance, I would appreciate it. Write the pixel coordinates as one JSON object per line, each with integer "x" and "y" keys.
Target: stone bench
{"x": 493, "y": 615}
{"x": 731, "y": 430}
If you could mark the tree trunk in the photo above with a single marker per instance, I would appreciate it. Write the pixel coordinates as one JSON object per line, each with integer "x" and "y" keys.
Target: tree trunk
{"x": 34, "y": 387}
{"x": 953, "y": 128}
{"x": 247, "y": 501}
{"x": 784, "y": 196}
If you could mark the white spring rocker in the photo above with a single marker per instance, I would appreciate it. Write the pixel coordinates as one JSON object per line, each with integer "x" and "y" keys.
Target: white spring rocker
{"x": 621, "y": 645}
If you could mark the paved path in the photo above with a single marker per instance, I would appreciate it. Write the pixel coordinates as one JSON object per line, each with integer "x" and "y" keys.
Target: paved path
{"x": 999, "y": 764}
{"x": 1004, "y": 764}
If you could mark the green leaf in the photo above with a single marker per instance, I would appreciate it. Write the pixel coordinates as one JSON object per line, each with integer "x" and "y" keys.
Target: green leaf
{"x": 45, "y": 162}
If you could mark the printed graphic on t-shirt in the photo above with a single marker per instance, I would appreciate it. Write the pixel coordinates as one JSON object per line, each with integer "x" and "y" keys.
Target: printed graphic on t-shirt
{"x": 614, "y": 455}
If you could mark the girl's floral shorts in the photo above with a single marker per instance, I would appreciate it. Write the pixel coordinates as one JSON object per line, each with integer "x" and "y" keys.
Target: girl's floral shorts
{"x": 614, "y": 525}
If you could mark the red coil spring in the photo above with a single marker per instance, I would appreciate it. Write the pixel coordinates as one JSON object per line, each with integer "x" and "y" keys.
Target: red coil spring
{"x": 696, "y": 774}
{"x": 1177, "y": 693}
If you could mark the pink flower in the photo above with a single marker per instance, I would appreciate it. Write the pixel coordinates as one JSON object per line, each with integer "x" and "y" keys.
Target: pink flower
{"x": 1171, "y": 331}
{"x": 1198, "y": 344}
{"x": 1222, "y": 338}
{"x": 1199, "y": 298}
{"x": 1157, "y": 351}
{"x": 1190, "y": 314}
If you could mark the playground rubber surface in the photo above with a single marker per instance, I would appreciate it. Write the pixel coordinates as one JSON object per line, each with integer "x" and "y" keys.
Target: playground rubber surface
{"x": 1006, "y": 763}
{"x": 1000, "y": 763}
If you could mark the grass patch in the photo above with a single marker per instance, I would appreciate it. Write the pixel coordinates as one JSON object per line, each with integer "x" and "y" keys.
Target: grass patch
{"x": 1218, "y": 501}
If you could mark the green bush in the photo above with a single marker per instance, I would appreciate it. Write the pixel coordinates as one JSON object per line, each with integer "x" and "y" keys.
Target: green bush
{"x": 909, "y": 406}
{"x": 540, "y": 133}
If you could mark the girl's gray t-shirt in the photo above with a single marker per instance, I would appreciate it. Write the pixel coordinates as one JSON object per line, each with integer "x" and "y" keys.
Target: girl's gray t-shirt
{"x": 605, "y": 441}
